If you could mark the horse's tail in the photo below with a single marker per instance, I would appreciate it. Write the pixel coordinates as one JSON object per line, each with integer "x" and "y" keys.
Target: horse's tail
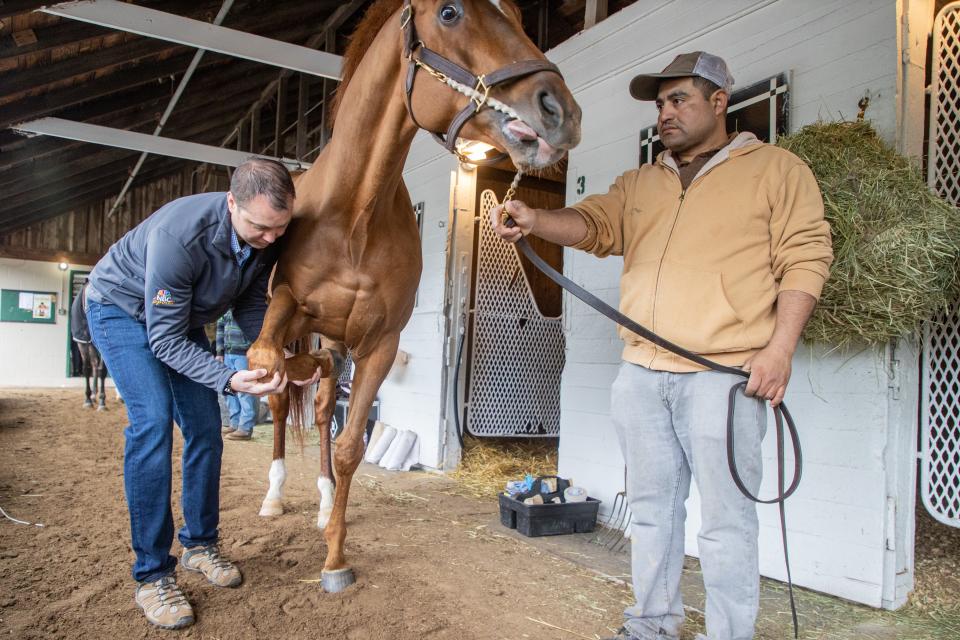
{"x": 298, "y": 395}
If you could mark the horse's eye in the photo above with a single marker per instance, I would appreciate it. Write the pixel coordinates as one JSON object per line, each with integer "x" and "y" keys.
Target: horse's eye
{"x": 449, "y": 13}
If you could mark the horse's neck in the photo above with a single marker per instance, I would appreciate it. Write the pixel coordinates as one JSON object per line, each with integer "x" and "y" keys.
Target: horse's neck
{"x": 363, "y": 162}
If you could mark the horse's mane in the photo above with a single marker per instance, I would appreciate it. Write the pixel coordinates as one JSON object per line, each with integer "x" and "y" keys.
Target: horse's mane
{"x": 360, "y": 41}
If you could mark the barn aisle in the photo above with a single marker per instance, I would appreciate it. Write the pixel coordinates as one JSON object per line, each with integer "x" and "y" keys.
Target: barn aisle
{"x": 430, "y": 563}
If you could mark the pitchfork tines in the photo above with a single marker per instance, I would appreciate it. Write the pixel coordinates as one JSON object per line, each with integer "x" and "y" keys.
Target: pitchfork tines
{"x": 613, "y": 533}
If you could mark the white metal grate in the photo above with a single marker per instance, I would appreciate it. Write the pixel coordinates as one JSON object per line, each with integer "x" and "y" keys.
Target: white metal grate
{"x": 518, "y": 354}
{"x": 940, "y": 446}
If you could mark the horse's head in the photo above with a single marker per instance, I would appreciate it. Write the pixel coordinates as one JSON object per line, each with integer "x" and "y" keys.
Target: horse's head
{"x": 532, "y": 115}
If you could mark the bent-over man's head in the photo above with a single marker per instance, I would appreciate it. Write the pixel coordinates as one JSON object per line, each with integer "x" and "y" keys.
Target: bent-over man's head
{"x": 260, "y": 201}
{"x": 691, "y": 94}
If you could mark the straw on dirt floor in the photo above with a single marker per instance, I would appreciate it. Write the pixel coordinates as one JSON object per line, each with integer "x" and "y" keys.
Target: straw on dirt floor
{"x": 488, "y": 463}
{"x": 896, "y": 244}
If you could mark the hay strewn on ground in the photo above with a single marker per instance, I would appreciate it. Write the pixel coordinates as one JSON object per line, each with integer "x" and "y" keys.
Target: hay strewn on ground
{"x": 488, "y": 463}
{"x": 896, "y": 244}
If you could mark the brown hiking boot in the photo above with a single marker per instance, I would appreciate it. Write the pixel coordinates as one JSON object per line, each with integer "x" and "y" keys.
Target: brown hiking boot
{"x": 208, "y": 561}
{"x": 225, "y": 429}
{"x": 164, "y": 604}
{"x": 239, "y": 435}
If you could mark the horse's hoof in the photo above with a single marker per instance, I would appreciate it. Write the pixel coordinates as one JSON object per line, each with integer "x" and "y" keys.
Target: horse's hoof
{"x": 336, "y": 581}
{"x": 271, "y": 507}
{"x": 101, "y": 408}
{"x": 88, "y": 405}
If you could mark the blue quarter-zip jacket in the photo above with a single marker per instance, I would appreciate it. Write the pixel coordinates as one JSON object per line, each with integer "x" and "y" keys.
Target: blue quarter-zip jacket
{"x": 176, "y": 272}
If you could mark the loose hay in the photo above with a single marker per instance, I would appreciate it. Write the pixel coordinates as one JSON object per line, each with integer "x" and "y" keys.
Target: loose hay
{"x": 488, "y": 463}
{"x": 896, "y": 244}
{"x": 936, "y": 590}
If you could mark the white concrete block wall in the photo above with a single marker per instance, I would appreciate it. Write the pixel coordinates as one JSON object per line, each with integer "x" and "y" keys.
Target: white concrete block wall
{"x": 410, "y": 396}
{"x": 35, "y": 355}
{"x": 837, "y": 52}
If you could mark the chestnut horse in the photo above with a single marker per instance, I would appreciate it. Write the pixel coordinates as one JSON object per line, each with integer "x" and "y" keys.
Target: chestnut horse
{"x": 351, "y": 260}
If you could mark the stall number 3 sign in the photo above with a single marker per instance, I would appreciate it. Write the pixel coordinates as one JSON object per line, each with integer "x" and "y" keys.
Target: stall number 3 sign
{"x": 581, "y": 185}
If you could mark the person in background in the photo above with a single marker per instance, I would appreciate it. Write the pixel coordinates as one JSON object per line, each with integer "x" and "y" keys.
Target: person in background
{"x": 231, "y": 349}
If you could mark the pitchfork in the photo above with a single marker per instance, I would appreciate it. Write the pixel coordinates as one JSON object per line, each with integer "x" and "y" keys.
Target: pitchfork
{"x": 612, "y": 535}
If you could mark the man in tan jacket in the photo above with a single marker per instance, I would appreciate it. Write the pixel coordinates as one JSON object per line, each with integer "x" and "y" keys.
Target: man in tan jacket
{"x": 725, "y": 253}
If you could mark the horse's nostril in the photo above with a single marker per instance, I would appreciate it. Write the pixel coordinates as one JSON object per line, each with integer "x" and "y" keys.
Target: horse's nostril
{"x": 549, "y": 105}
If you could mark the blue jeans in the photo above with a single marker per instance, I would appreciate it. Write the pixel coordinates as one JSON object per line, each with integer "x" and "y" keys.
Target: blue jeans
{"x": 672, "y": 426}
{"x": 243, "y": 406}
{"x": 155, "y": 397}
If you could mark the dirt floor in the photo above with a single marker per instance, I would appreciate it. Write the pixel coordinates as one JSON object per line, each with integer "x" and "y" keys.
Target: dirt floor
{"x": 430, "y": 563}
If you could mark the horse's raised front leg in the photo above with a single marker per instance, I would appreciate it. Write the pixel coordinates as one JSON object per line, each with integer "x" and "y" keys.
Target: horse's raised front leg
{"x": 323, "y": 405}
{"x": 267, "y": 351}
{"x": 371, "y": 369}
{"x": 273, "y": 502}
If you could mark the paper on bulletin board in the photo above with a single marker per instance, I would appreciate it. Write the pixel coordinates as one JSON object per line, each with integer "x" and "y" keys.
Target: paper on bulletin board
{"x": 26, "y": 301}
{"x": 42, "y": 306}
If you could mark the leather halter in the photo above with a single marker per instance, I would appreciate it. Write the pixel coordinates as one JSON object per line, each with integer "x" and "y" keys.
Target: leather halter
{"x": 443, "y": 69}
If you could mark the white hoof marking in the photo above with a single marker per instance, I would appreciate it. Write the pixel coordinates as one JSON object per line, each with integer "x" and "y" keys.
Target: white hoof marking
{"x": 273, "y": 503}
{"x": 325, "y": 485}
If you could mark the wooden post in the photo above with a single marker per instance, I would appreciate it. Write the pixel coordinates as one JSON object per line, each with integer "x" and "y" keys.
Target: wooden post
{"x": 302, "y": 117}
{"x": 330, "y": 44}
{"x": 281, "y": 121}
{"x": 255, "y": 131}
{"x": 595, "y": 12}
{"x": 543, "y": 25}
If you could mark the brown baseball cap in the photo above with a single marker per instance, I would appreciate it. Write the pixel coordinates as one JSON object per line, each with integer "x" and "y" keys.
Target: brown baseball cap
{"x": 685, "y": 65}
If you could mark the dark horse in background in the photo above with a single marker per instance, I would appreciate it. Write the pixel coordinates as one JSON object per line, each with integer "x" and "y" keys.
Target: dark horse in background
{"x": 93, "y": 364}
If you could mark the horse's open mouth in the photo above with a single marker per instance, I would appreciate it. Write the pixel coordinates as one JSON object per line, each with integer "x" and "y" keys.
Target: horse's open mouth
{"x": 536, "y": 151}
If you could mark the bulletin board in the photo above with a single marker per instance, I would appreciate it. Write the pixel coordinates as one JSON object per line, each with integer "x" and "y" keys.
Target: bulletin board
{"x": 28, "y": 306}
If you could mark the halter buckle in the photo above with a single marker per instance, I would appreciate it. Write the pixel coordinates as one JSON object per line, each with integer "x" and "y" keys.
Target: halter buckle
{"x": 481, "y": 87}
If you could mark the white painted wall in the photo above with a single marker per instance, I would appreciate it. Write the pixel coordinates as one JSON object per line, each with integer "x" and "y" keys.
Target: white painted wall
{"x": 35, "y": 355}
{"x": 850, "y": 524}
{"x": 410, "y": 396}
{"x": 837, "y": 51}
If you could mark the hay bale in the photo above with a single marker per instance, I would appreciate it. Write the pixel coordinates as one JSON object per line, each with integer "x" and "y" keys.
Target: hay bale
{"x": 896, "y": 244}
{"x": 488, "y": 463}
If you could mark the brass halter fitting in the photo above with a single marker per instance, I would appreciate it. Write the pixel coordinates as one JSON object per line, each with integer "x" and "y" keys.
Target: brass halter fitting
{"x": 483, "y": 88}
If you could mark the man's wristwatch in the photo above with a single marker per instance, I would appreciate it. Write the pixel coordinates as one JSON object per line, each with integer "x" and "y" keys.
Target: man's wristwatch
{"x": 227, "y": 389}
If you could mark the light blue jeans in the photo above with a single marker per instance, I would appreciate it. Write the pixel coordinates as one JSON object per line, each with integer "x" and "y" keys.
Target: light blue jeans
{"x": 243, "y": 406}
{"x": 672, "y": 425}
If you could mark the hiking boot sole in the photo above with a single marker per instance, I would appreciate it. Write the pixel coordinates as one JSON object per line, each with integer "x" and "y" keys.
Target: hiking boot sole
{"x": 185, "y": 622}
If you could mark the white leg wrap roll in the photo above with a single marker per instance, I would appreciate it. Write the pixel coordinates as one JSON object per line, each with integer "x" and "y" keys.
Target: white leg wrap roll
{"x": 325, "y": 485}
{"x": 272, "y": 504}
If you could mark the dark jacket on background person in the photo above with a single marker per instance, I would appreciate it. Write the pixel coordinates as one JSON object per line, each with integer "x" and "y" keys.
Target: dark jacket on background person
{"x": 176, "y": 272}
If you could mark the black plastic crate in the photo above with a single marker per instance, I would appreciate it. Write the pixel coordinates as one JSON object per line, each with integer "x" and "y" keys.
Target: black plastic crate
{"x": 548, "y": 519}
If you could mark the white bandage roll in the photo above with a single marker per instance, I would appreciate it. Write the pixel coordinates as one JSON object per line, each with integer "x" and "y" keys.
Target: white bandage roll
{"x": 399, "y": 449}
{"x": 375, "y": 434}
{"x": 575, "y": 494}
{"x": 376, "y": 451}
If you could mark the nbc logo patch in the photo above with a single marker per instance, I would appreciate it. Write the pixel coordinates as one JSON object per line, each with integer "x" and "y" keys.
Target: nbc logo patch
{"x": 163, "y": 297}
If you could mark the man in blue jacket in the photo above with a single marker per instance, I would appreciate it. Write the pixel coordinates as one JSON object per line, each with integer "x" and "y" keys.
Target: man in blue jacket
{"x": 148, "y": 300}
